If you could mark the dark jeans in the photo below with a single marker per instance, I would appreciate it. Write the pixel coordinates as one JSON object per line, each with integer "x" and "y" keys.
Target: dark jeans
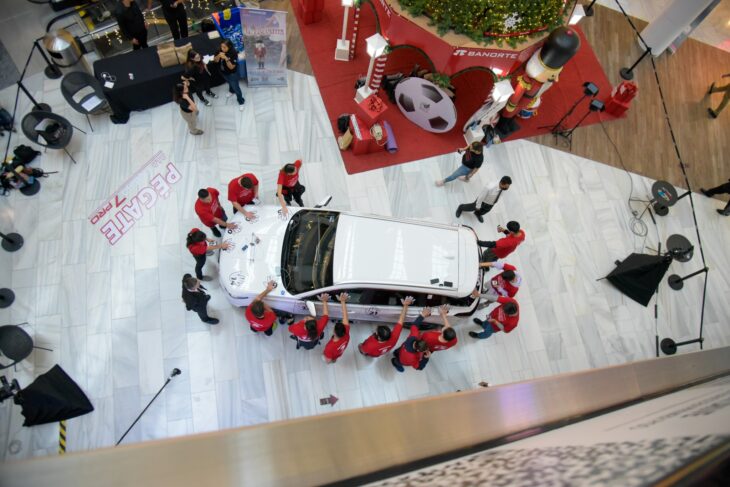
{"x": 177, "y": 20}
{"x": 396, "y": 361}
{"x": 268, "y": 332}
{"x": 295, "y": 192}
{"x": 199, "y": 263}
{"x": 233, "y": 87}
{"x": 488, "y": 256}
{"x": 722, "y": 189}
{"x": 215, "y": 230}
{"x": 142, "y": 38}
{"x": 483, "y": 209}
{"x": 488, "y": 330}
{"x": 203, "y": 313}
{"x": 201, "y": 85}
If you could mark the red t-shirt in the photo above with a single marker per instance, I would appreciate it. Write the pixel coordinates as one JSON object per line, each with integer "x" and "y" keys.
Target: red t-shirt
{"x": 238, "y": 193}
{"x": 509, "y": 322}
{"x": 207, "y": 211}
{"x": 500, "y": 282}
{"x": 260, "y": 324}
{"x": 299, "y": 331}
{"x": 407, "y": 358}
{"x": 289, "y": 180}
{"x": 198, "y": 248}
{"x": 334, "y": 349}
{"x": 508, "y": 244}
{"x": 432, "y": 340}
{"x": 375, "y": 348}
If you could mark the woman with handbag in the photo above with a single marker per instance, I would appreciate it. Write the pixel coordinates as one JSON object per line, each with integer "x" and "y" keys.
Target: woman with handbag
{"x": 196, "y": 72}
{"x": 471, "y": 161}
{"x": 227, "y": 59}
{"x": 188, "y": 108}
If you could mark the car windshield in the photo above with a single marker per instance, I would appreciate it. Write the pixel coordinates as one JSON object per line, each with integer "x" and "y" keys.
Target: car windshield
{"x": 307, "y": 254}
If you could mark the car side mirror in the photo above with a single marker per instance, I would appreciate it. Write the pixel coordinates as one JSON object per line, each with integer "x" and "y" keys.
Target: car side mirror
{"x": 324, "y": 202}
{"x": 311, "y": 308}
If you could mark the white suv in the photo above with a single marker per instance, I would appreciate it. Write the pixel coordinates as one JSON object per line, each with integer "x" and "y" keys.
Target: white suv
{"x": 377, "y": 260}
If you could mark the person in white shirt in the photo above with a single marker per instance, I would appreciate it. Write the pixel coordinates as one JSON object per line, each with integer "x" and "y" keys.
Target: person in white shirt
{"x": 486, "y": 199}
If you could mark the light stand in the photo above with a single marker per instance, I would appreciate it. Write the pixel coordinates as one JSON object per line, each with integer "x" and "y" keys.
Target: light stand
{"x": 11, "y": 241}
{"x": 7, "y": 296}
{"x": 589, "y": 89}
{"x": 589, "y": 9}
{"x": 669, "y": 346}
{"x": 174, "y": 372}
{"x": 595, "y": 106}
{"x": 342, "y": 52}
{"x": 676, "y": 282}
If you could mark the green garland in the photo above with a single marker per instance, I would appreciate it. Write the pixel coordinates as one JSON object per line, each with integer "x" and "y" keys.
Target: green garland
{"x": 506, "y": 20}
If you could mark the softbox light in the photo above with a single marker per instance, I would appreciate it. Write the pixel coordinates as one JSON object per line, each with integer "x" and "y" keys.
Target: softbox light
{"x": 53, "y": 396}
{"x": 638, "y": 276}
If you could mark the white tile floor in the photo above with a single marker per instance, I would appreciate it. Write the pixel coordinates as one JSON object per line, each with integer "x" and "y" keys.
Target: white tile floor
{"x": 114, "y": 318}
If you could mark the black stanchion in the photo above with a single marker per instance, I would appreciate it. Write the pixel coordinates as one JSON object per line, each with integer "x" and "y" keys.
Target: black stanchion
{"x": 628, "y": 73}
{"x": 7, "y": 296}
{"x": 51, "y": 70}
{"x": 677, "y": 282}
{"x": 31, "y": 189}
{"x": 669, "y": 346}
{"x": 589, "y": 9}
{"x": 174, "y": 372}
{"x": 11, "y": 241}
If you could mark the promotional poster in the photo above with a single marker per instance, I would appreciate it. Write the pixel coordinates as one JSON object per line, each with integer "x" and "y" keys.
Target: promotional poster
{"x": 264, "y": 38}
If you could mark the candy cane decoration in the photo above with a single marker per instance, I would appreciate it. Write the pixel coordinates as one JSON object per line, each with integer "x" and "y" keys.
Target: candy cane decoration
{"x": 353, "y": 41}
{"x": 378, "y": 69}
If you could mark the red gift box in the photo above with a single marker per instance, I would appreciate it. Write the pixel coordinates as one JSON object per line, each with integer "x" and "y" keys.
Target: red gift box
{"x": 361, "y": 138}
{"x": 371, "y": 109}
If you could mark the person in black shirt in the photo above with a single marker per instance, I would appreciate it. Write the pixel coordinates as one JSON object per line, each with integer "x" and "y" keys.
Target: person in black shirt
{"x": 196, "y": 72}
{"x": 471, "y": 161}
{"x": 188, "y": 108}
{"x": 131, "y": 23}
{"x": 227, "y": 59}
{"x": 175, "y": 16}
{"x": 196, "y": 299}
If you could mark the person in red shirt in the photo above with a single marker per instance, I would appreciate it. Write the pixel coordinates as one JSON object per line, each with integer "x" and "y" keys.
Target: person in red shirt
{"x": 500, "y": 249}
{"x": 310, "y": 330}
{"x": 502, "y": 318}
{"x": 443, "y": 339}
{"x": 243, "y": 190}
{"x": 414, "y": 351}
{"x": 383, "y": 340}
{"x": 197, "y": 243}
{"x": 288, "y": 186}
{"x": 506, "y": 283}
{"x": 210, "y": 211}
{"x": 341, "y": 338}
{"x": 260, "y": 316}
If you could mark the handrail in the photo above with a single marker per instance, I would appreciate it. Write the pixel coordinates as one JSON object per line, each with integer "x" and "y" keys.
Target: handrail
{"x": 335, "y": 447}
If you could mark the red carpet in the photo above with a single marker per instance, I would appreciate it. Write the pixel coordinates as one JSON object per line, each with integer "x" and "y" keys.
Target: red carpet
{"x": 336, "y": 81}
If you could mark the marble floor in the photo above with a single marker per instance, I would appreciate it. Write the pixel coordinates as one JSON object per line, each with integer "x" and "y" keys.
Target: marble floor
{"x": 114, "y": 318}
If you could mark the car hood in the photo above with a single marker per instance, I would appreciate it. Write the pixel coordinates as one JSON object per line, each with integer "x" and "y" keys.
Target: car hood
{"x": 254, "y": 257}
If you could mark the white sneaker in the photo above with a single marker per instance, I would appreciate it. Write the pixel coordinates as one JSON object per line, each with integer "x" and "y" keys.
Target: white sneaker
{"x": 228, "y": 95}
{"x": 240, "y": 108}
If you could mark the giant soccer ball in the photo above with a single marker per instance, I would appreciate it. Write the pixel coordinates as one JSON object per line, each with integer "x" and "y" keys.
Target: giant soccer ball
{"x": 425, "y": 104}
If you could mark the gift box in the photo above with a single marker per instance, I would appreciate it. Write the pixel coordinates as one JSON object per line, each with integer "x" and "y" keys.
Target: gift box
{"x": 371, "y": 109}
{"x": 361, "y": 138}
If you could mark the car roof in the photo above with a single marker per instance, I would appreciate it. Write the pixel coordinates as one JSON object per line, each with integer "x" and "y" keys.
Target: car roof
{"x": 371, "y": 249}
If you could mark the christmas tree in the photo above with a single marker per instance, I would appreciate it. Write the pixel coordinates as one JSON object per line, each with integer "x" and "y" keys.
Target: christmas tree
{"x": 487, "y": 21}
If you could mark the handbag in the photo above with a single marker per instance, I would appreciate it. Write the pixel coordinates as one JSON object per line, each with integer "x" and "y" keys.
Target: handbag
{"x": 345, "y": 140}
{"x": 378, "y": 134}
{"x": 167, "y": 55}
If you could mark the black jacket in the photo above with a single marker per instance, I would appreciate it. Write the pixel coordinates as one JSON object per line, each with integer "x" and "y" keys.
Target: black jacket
{"x": 195, "y": 300}
{"x": 131, "y": 20}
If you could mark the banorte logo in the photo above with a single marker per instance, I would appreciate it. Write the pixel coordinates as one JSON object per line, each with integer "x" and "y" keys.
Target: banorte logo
{"x": 489, "y": 54}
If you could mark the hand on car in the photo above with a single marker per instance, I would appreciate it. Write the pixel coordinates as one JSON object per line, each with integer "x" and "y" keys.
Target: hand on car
{"x": 324, "y": 297}
{"x": 232, "y": 226}
{"x": 444, "y": 309}
{"x": 343, "y": 297}
{"x": 408, "y": 300}
{"x": 500, "y": 228}
{"x": 426, "y": 312}
{"x": 225, "y": 245}
{"x": 270, "y": 285}
{"x": 475, "y": 293}
{"x": 249, "y": 214}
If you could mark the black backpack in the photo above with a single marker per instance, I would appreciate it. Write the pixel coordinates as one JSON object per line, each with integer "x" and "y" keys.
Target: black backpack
{"x": 25, "y": 154}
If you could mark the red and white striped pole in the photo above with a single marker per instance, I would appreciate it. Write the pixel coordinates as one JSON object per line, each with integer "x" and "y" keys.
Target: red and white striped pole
{"x": 355, "y": 25}
{"x": 377, "y": 78}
